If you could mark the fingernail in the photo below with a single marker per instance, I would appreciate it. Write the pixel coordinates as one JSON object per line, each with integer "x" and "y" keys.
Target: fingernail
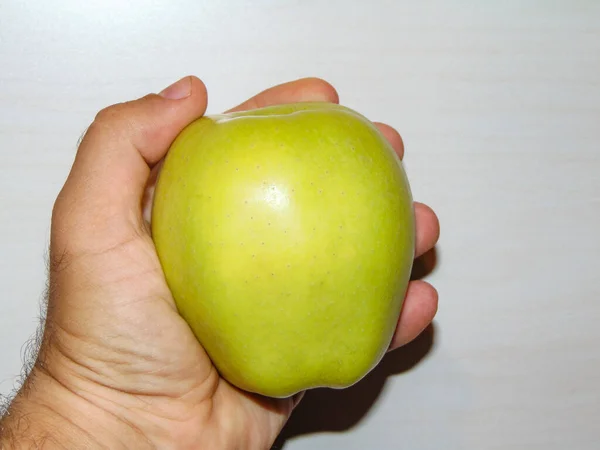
{"x": 178, "y": 90}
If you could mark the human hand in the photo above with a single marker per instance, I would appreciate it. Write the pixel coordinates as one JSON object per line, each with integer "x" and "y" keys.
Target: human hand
{"x": 118, "y": 367}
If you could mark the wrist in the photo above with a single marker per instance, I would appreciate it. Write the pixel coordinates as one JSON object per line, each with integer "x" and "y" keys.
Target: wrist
{"x": 46, "y": 414}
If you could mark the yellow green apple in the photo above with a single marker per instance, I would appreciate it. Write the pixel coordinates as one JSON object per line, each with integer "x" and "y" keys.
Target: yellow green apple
{"x": 286, "y": 235}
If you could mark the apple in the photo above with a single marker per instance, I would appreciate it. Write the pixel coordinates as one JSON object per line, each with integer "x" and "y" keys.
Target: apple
{"x": 286, "y": 235}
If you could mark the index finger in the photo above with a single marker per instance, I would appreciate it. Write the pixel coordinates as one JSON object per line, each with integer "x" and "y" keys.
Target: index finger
{"x": 302, "y": 90}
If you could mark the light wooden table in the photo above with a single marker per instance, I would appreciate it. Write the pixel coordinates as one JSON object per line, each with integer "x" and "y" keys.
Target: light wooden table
{"x": 499, "y": 106}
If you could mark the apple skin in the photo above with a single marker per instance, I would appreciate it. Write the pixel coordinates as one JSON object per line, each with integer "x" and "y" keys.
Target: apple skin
{"x": 286, "y": 235}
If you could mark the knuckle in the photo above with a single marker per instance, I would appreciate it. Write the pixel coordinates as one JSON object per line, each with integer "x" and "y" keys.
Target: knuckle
{"x": 113, "y": 119}
{"x": 110, "y": 114}
{"x": 122, "y": 118}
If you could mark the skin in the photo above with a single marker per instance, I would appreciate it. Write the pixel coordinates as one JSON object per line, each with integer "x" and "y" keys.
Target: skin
{"x": 118, "y": 367}
{"x": 287, "y": 239}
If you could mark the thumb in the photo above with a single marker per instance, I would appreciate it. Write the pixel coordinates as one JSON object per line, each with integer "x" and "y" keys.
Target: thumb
{"x": 100, "y": 205}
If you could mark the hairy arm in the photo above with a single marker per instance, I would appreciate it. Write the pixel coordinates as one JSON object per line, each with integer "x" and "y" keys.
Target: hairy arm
{"x": 22, "y": 423}
{"x": 45, "y": 414}
{"x": 33, "y": 421}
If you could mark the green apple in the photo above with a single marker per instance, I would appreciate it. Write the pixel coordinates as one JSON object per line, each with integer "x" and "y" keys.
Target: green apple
{"x": 286, "y": 235}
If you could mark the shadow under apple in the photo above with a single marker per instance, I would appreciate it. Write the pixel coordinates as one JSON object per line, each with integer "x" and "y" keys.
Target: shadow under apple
{"x": 332, "y": 410}
{"x": 424, "y": 265}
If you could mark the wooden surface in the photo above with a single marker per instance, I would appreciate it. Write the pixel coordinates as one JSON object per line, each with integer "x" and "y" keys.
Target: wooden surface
{"x": 499, "y": 106}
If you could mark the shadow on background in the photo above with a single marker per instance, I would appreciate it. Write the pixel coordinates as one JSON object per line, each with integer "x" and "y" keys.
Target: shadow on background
{"x": 331, "y": 410}
{"x": 424, "y": 265}
{"x": 338, "y": 410}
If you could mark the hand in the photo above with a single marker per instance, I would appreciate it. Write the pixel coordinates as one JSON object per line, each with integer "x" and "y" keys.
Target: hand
{"x": 118, "y": 367}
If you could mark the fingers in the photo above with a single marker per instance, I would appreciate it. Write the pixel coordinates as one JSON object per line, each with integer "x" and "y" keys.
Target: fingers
{"x": 104, "y": 190}
{"x": 421, "y": 302}
{"x": 420, "y": 307}
{"x": 393, "y": 137}
{"x": 427, "y": 223}
{"x": 427, "y": 229}
{"x": 302, "y": 90}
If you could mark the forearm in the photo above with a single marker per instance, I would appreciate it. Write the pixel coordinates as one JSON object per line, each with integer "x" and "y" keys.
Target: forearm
{"x": 29, "y": 425}
{"x": 46, "y": 415}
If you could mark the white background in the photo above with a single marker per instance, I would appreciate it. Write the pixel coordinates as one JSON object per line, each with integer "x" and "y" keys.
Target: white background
{"x": 499, "y": 106}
